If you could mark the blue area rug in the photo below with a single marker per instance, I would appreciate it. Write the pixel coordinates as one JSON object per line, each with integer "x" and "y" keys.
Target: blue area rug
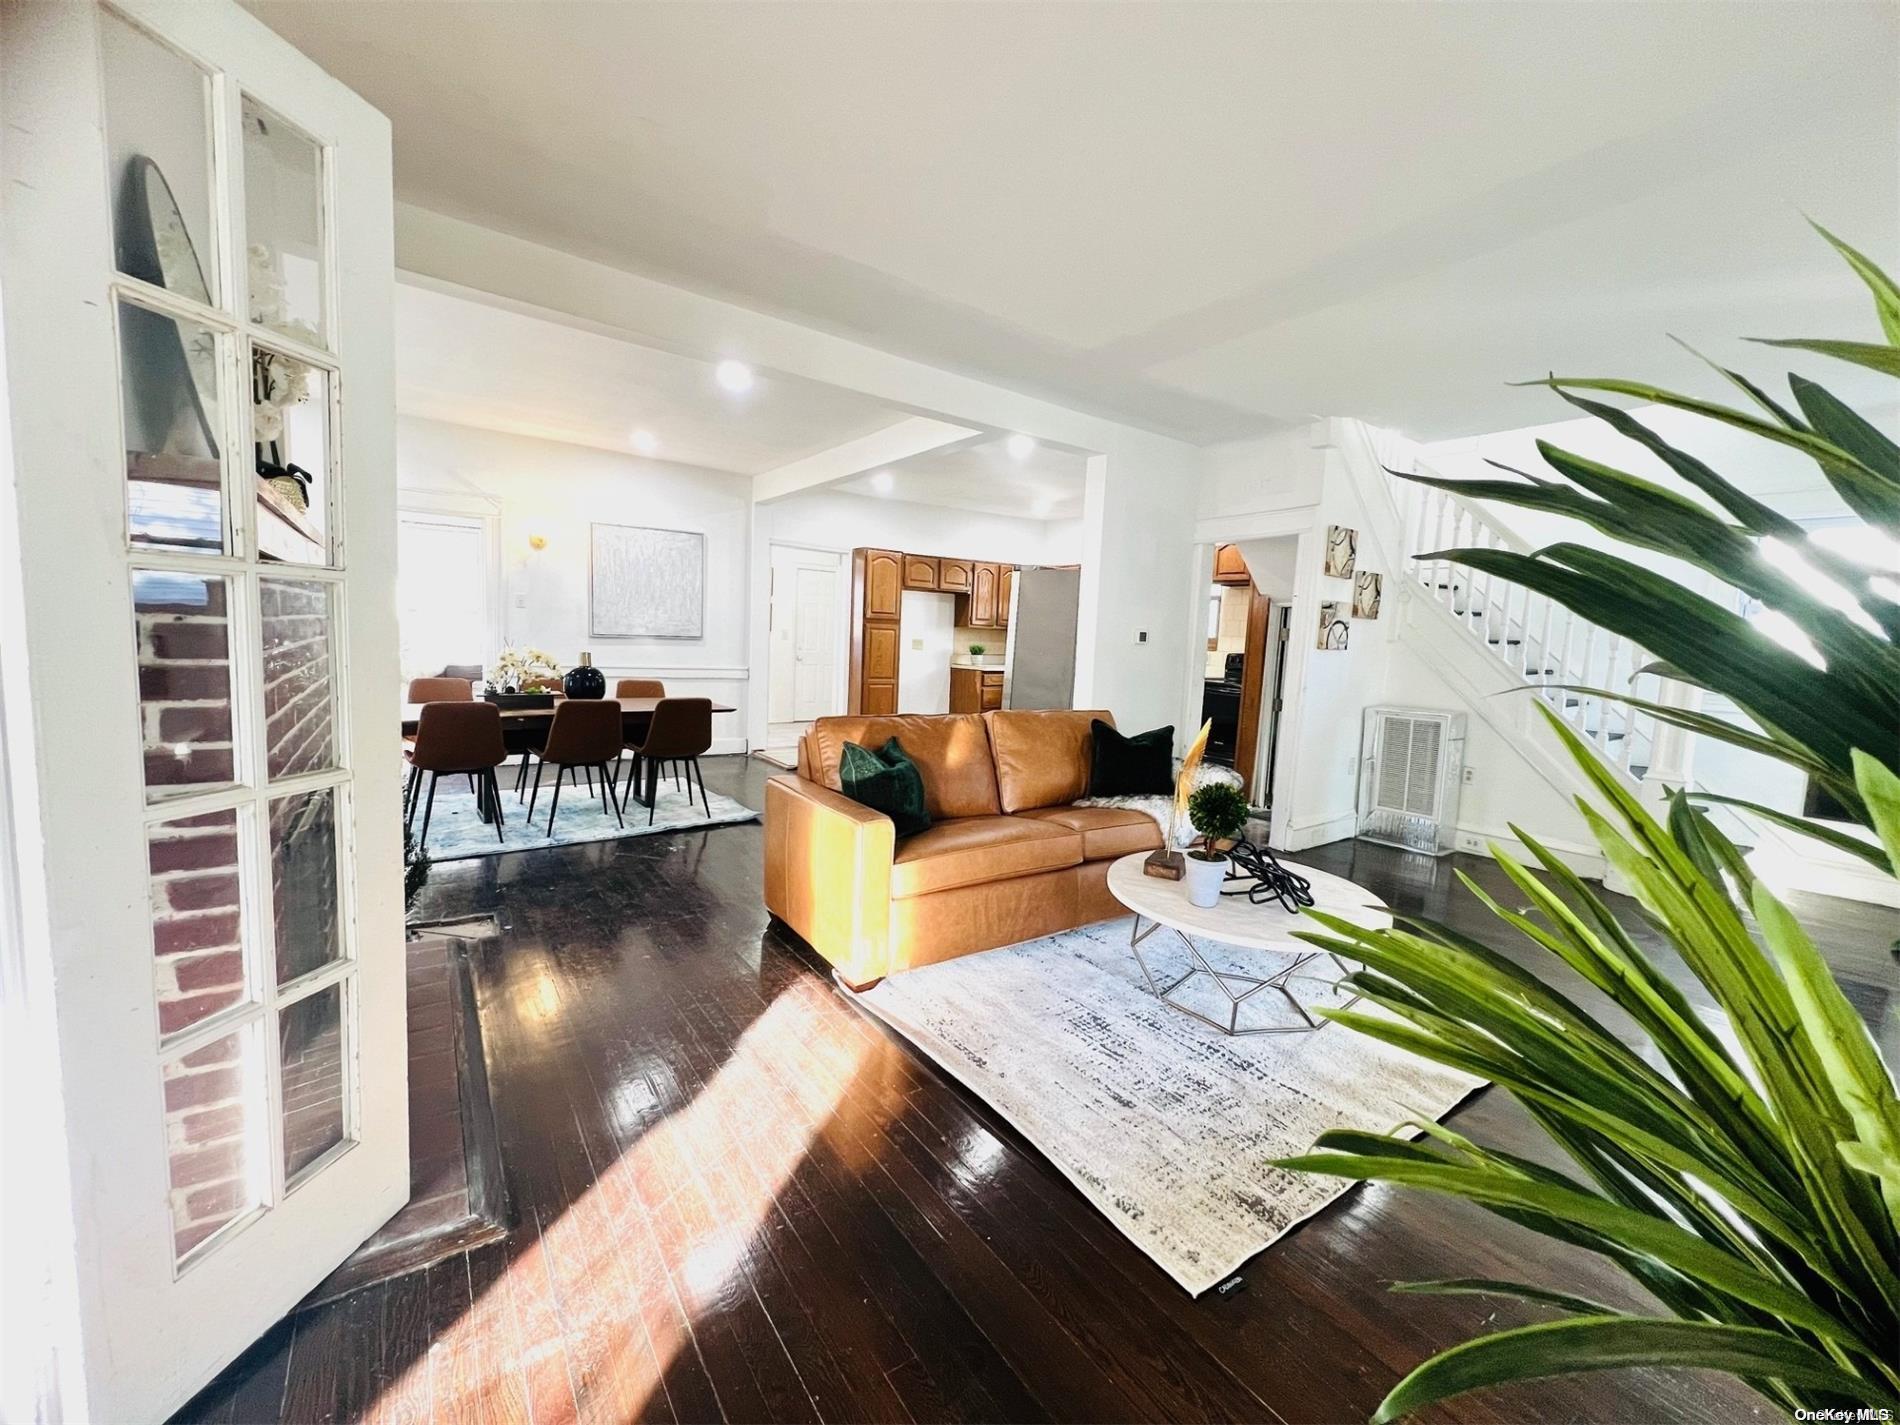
{"x": 457, "y": 832}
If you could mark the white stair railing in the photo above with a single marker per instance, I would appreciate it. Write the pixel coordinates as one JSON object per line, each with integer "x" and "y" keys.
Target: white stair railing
{"x": 1540, "y": 641}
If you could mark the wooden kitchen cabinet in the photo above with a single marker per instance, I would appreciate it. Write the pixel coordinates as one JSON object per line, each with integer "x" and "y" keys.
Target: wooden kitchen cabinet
{"x": 879, "y": 687}
{"x": 877, "y": 595}
{"x": 966, "y": 690}
{"x": 883, "y": 584}
{"x": 1005, "y": 592}
{"x": 920, "y": 572}
{"x": 954, "y": 576}
{"x": 983, "y": 582}
{"x": 991, "y": 693}
{"x": 1229, "y": 567}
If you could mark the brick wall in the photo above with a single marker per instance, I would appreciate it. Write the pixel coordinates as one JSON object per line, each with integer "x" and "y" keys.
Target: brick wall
{"x": 184, "y": 649}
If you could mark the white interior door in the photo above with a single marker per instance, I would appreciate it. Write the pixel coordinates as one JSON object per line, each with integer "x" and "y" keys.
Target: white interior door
{"x": 807, "y": 625}
{"x": 198, "y": 546}
{"x": 815, "y": 642}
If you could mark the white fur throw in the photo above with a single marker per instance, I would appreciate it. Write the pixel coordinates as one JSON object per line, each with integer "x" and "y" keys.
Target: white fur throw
{"x": 1161, "y": 807}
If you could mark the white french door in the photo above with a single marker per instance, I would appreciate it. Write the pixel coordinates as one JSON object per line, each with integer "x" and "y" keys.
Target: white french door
{"x": 199, "y": 544}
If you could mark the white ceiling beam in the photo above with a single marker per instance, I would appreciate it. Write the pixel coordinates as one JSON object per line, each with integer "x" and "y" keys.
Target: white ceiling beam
{"x": 911, "y": 436}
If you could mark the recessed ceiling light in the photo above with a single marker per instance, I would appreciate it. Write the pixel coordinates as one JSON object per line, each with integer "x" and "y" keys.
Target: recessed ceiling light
{"x": 1021, "y": 447}
{"x": 646, "y": 442}
{"x": 881, "y": 481}
{"x": 735, "y": 376}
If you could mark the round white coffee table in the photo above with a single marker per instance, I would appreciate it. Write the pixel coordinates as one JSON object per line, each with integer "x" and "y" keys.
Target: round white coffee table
{"x": 1237, "y": 921}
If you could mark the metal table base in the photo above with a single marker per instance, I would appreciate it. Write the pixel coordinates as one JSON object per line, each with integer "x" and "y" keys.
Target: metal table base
{"x": 1253, "y": 984}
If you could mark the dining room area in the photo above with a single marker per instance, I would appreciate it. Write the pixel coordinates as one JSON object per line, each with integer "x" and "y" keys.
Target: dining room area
{"x": 556, "y": 759}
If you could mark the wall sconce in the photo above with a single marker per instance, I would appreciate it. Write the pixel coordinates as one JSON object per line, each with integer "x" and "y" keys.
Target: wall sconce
{"x": 537, "y": 542}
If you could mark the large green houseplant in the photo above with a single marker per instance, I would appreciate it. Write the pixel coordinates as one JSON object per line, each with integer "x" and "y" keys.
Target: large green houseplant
{"x": 1749, "y": 1182}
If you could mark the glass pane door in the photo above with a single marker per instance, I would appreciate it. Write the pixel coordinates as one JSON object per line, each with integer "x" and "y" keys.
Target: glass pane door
{"x": 202, "y": 673}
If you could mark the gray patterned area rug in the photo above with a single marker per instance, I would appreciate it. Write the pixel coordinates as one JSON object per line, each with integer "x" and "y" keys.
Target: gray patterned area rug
{"x": 457, "y": 832}
{"x": 1164, "y": 1124}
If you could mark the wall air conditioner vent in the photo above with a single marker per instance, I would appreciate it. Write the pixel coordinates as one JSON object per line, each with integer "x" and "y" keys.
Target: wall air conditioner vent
{"x": 1411, "y": 762}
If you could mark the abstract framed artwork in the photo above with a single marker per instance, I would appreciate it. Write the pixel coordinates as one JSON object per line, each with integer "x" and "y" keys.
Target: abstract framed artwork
{"x": 1367, "y": 590}
{"x": 646, "y": 583}
{"x": 1334, "y": 629}
{"x": 1342, "y": 551}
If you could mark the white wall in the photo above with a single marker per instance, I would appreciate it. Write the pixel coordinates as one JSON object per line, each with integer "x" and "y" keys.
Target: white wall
{"x": 923, "y": 664}
{"x": 834, "y": 519}
{"x": 540, "y": 487}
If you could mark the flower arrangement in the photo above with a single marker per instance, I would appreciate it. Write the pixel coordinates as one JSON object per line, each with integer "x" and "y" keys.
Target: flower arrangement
{"x": 525, "y": 670}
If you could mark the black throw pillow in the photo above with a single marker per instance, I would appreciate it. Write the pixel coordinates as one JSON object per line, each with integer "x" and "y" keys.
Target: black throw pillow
{"x": 888, "y": 781}
{"x": 1138, "y": 766}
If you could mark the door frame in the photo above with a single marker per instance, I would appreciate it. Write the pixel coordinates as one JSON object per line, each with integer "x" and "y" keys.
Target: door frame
{"x": 122, "y": 1332}
{"x": 1299, "y": 523}
{"x": 1252, "y": 689}
{"x": 841, "y": 674}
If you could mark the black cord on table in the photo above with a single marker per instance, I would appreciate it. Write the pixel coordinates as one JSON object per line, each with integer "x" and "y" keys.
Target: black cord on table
{"x": 1267, "y": 879}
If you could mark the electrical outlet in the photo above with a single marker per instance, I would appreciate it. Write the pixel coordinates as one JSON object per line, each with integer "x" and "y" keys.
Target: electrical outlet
{"x": 916, "y": 645}
{"x": 1141, "y": 635}
{"x": 1470, "y": 775}
{"x": 1468, "y": 842}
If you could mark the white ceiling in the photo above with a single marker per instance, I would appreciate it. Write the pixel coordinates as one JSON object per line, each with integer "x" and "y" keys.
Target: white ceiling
{"x": 1205, "y": 218}
{"x": 1047, "y": 485}
{"x": 477, "y": 365}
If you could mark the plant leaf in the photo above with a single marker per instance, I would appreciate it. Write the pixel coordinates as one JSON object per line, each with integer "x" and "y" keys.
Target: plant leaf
{"x": 1490, "y": 1286}
{"x": 1596, "y": 1343}
{"x": 1862, "y": 353}
{"x": 1880, "y": 790}
{"x": 1819, "y": 831}
{"x": 1886, "y": 295}
{"x": 1854, "y": 1070}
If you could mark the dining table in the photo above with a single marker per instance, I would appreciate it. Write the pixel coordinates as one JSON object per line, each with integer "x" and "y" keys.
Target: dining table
{"x": 635, "y": 715}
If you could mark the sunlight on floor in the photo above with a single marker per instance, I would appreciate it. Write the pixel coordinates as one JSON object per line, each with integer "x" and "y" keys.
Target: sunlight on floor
{"x": 666, "y": 1235}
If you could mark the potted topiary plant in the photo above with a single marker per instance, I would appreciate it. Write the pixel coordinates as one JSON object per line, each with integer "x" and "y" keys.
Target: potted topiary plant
{"x": 1219, "y": 813}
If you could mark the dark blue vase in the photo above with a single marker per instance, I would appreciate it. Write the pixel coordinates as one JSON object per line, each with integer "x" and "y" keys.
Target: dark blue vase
{"x": 584, "y": 680}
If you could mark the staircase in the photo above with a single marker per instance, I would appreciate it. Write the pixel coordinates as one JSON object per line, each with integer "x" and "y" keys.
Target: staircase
{"x": 1539, "y": 641}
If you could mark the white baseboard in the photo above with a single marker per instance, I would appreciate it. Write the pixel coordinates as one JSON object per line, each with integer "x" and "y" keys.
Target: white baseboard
{"x": 1586, "y": 861}
{"x": 1303, "y": 832}
{"x": 727, "y": 746}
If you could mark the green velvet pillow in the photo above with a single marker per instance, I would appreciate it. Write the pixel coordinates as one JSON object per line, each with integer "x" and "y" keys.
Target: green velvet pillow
{"x": 888, "y": 781}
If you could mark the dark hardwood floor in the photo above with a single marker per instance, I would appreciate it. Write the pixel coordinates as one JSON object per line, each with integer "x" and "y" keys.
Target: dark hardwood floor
{"x": 738, "y": 1199}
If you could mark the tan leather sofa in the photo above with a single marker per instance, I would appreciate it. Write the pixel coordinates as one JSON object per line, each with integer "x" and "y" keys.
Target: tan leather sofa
{"x": 1007, "y": 857}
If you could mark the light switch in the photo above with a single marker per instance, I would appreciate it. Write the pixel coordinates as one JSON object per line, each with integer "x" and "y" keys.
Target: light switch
{"x": 917, "y": 645}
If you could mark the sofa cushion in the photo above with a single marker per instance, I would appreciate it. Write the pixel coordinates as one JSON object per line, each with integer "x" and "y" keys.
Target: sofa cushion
{"x": 1042, "y": 755}
{"x": 886, "y": 780}
{"x": 974, "y": 849}
{"x": 952, "y": 752}
{"x": 1138, "y": 766}
{"x": 1107, "y": 832}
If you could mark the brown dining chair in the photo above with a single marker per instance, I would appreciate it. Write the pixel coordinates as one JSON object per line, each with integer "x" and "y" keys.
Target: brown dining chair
{"x": 439, "y": 690}
{"x": 454, "y": 737}
{"x": 681, "y": 733}
{"x": 585, "y": 733}
{"x": 637, "y": 688}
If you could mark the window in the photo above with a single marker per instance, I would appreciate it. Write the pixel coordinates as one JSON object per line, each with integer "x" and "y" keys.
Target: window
{"x": 446, "y": 596}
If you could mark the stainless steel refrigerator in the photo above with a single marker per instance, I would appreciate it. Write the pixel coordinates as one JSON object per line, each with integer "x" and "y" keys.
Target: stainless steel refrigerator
{"x": 1039, "y": 667}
